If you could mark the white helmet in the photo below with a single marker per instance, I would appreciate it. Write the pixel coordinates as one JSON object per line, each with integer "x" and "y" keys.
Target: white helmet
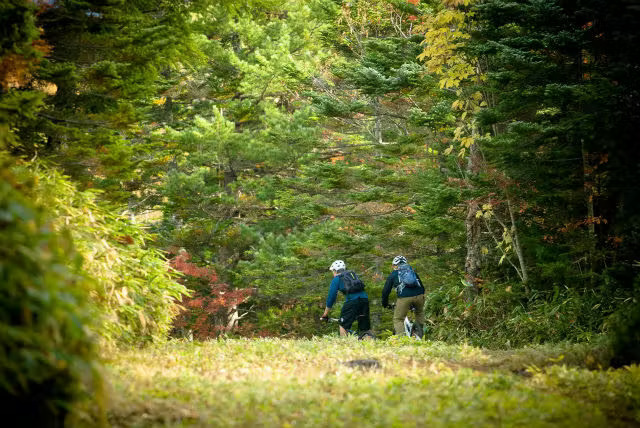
{"x": 398, "y": 260}
{"x": 337, "y": 265}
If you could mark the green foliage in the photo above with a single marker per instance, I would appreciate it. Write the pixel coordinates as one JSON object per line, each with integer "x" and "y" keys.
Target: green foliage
{"x": 17, "y": 109}
{"x": 625, "y": 335}
{"x": 503, "y": 316}
{"x": 598, "y": 386}
{"x": 18, "y": 27}
{"x": 108, "y": 60}
{"x": 551, "y": 121}
{"x": 20, "y": 51}
{"x": 133, "y": 293}
{"x": 554, "y": 113}
{"x": 48, "y": 356}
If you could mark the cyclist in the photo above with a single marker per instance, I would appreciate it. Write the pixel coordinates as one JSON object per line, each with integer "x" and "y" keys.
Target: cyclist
{"x": 409, "y": 295}
{"x": 356, "y": 307}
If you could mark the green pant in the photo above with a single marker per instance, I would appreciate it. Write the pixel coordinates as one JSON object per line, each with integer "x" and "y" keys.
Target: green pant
{"x": 403, "y": 305}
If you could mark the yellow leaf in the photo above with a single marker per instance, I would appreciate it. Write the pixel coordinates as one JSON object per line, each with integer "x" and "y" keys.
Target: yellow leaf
{"x": 467, "y": 141}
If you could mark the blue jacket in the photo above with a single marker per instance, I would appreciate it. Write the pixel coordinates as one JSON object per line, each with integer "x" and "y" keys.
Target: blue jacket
{"x": 337, "y": 285}
{"x": 393, "y": 282}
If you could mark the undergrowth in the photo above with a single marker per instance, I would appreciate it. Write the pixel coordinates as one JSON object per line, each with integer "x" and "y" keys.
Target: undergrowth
{"x": 502, "y": 316}
{"x": 396, "y": 382}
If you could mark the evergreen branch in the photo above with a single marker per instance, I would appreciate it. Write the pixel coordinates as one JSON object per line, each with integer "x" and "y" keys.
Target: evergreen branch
{"x": 75, "y": 122}
{"x": 367, "y": 215}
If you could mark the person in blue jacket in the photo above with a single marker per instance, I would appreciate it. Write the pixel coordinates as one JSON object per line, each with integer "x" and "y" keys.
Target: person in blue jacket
{"x": 409, "y": 295}
{"x": 356, "y": 307}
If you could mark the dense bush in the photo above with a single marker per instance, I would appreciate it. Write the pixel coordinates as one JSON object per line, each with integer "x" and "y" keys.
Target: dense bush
{"x": 625, "y": 332}
{"x": 133, "y": 293}
{"x": 46, "y": 352}
{"x": 503, "y": 316}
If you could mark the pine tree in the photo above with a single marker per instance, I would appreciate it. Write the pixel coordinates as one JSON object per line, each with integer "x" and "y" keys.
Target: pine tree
{"x": 104, "y": 66}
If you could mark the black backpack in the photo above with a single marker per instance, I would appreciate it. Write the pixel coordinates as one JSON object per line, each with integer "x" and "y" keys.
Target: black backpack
{"x": 352, "y": 284}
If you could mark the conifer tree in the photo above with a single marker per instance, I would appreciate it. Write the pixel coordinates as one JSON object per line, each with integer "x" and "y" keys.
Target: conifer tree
{"x": 106, "y": 63}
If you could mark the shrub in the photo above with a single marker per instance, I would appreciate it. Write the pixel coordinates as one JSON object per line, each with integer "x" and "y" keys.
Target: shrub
{"x": 47, "y": 357}
{"x": 625, "y": 333}
{"x": 503, "y": 316}
{"x": 132, "y": 290}
{"x": 213, "y": 309}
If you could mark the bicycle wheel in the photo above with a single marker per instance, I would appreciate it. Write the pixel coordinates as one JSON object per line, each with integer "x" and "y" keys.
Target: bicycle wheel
{"x": 415, "y": 334}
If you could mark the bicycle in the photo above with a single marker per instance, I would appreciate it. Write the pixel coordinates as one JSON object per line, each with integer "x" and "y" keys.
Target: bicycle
{"x": 410, "y": 328}
{"x": 361, "y": 336}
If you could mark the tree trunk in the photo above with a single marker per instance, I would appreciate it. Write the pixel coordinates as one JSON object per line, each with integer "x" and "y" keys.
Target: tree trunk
{"x": 377, "y": 131}
{"x": 588, "y": 190}
{"x": 472, "y": 260}
{"x": 168, "y": 110}
{"x": 232, "y": 319}
{"x": 472, "y": 223}
{"x": 515, "y": 241}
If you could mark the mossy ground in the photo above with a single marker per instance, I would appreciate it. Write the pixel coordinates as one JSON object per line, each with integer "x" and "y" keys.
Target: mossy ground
{"x": 277, "y": 382}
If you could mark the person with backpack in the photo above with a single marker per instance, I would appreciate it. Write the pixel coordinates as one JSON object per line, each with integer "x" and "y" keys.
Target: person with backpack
{"x": 410, "y": 293}
{"x": 356, "y": 307}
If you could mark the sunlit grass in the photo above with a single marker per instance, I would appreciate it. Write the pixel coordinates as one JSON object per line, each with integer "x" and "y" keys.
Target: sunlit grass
{"x": 276, "y": 382}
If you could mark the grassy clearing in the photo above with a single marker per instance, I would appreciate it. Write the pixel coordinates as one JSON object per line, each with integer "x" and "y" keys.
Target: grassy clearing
{"x": 276, "y": 382}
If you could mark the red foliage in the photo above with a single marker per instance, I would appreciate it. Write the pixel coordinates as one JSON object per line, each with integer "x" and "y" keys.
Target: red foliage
{"x": 212, "y": 310}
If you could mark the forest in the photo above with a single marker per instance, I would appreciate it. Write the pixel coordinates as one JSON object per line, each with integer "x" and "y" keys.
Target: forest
{"x": 177, "y": 177}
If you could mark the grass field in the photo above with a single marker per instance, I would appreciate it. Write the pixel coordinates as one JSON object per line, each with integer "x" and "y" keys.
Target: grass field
{"x": 401, "y": 383}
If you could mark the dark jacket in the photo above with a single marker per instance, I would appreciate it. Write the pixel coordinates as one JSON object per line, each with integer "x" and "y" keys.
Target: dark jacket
{"x": 393, "y": 282}
{"x": 337, "y": 285}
